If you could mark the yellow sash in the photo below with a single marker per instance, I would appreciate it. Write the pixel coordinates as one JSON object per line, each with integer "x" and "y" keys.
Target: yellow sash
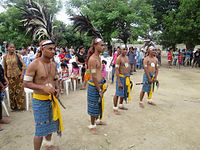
{"x": 104, "y": 88}
{"x": 55, "y": 108}
{"x": 128, "y": 84}
{"x": 151, "y": 90}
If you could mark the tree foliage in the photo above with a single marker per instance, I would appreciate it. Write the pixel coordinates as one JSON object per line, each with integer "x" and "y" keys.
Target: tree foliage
{"x": 123, "y": 19}
{"x": 11, "y": 29}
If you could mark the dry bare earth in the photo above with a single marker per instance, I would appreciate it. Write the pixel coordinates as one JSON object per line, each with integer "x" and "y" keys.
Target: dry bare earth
{"x": 171, "y": 125}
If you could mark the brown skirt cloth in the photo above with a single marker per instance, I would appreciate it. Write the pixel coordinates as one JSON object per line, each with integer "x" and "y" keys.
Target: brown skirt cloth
{"x": 16, "y": 93}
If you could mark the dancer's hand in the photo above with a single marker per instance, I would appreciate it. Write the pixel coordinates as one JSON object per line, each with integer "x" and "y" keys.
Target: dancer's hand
{"x": 151, "y": 81}
{"x": 49, "y": 90}
{"x": 57, "y": 92}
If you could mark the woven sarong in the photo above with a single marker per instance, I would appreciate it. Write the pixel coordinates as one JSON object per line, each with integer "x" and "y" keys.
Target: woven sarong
{"x": 122, "y": 92}
{"x": 146, "y": 85}
{"x": 44, "y": 123}
{"x": 93, "y": 99}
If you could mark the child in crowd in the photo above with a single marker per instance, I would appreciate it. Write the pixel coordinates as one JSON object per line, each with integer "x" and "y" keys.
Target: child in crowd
{"x": 169, "y": 58}
{"x": 64, "y": 75}
{"x": 75, "y": 71}
{"x": 103, "y": 71}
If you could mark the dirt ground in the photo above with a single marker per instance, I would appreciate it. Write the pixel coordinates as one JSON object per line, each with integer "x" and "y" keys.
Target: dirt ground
{"x": 171, "y": 125}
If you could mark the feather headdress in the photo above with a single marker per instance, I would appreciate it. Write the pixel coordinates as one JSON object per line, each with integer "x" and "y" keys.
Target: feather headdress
{"x": 83, "y": 24}
{"x": 37, "y": 20}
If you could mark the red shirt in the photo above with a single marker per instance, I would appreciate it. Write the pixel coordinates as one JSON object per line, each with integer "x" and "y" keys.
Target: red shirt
{"x": 169, "y": 56}
{"x": 61, "y": 56}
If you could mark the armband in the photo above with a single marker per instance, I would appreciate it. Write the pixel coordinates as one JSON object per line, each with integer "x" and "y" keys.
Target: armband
{"x": 145, "y": 65}
{"x": 93, "y": 70}
{"x": 28, "y": 78}
{"x": 117, "y": 66}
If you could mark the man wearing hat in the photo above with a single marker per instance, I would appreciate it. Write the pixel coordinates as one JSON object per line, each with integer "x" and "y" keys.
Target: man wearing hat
{"x": 150, "y": 64}
{"x": 41, "y": 76}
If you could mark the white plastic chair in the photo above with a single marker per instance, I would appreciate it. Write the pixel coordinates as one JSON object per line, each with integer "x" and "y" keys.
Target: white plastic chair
{"x": 28, "y": 93}
{"x": 5, "y": 108}
{"x": 67, "y": 83}
{"x": 7, "y": 96}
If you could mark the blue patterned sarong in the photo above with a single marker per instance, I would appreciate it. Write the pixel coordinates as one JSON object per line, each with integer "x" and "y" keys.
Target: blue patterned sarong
{"x": 122, "y": 92}
{"x": 93, "y": 100}
{"x": 146, "y": 85}
{"x": 44, "y": 123}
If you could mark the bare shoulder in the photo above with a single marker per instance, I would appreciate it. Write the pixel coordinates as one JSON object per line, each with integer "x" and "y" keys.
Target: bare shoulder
{"x": 156, "y": 59}
{"x": 34, "y": 64}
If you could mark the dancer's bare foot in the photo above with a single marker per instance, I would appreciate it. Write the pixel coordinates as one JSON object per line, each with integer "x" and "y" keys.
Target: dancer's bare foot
{"x": 123, "y": 108}
{"x": 51, "y": 147}
{"x": 99, "y": 122}
{"x": 116, "y": 112}
{"x": 93, "y": 129}
{"x": 141, "y": 104}
{"x": 151, "y": 103}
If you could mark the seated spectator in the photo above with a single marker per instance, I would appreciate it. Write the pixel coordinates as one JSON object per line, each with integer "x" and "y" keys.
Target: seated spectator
{"x": 64, "y": 75}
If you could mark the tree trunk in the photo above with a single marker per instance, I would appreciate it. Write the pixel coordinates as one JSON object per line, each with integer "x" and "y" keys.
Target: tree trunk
{"x": 190, "y": 46}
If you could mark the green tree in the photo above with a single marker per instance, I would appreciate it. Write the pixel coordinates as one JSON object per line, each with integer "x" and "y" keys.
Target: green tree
{"x": 11, "y": 29}
{"x": 123, "y": 19}
{"x": 182, "y": 25}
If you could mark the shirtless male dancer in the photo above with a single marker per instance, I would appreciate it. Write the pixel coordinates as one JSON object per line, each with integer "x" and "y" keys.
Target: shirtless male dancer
{"x": 123, "y": 73}
{"x": 41, "y": 76}
{"x": 95, "y": 93}
{"x": 150, "y": 64}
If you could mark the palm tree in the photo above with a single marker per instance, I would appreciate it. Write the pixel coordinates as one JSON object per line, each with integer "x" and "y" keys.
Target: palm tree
{"x": 37, "y": 20}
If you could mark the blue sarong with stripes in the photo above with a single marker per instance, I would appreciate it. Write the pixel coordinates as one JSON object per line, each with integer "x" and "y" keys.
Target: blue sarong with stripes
{"x": 146, "y": 85}
{"x": 44, "y": 123}
{"x": 122, "y": 92}
{"x": 93, "y": 99}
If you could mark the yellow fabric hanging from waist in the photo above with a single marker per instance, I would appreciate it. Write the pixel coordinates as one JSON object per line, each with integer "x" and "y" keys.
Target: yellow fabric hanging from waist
{"x": 128, "y": 84}
{"x": 55, "y": 108}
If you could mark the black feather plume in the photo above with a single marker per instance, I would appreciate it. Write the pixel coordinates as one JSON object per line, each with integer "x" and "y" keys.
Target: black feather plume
{"x": 83, "y": 24}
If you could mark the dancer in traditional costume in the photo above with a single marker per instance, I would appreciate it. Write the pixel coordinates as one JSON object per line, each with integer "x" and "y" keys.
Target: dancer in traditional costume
{"x": 42, "y": 77}
{"x": 123, "y": 84}
{"x": 96, "y": 84}
{"x": 150, "y": 64}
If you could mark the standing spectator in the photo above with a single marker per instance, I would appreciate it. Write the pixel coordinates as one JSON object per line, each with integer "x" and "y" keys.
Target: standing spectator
{"x": 72, "y": 51}
{"x": 113, "y": 62}
{"x": 196, "y": 58}
{"x": 183, "y": 54}
{"x": 131, "y": 57}
{"x": 159, "y": 56}
{"x": 169, "y": 57}
{"x": 81, "y": 56}
{"x": 187, "y": 57}
{"x": 80, "y": 60}
{"x": 3, "y": 85}
{"x": 31, "y": 54}
{"x": 180, "y": 59}
{"x": 67, "y": 56}
{"x": 14, "y": 69}
{"x": 175, "y": 57}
